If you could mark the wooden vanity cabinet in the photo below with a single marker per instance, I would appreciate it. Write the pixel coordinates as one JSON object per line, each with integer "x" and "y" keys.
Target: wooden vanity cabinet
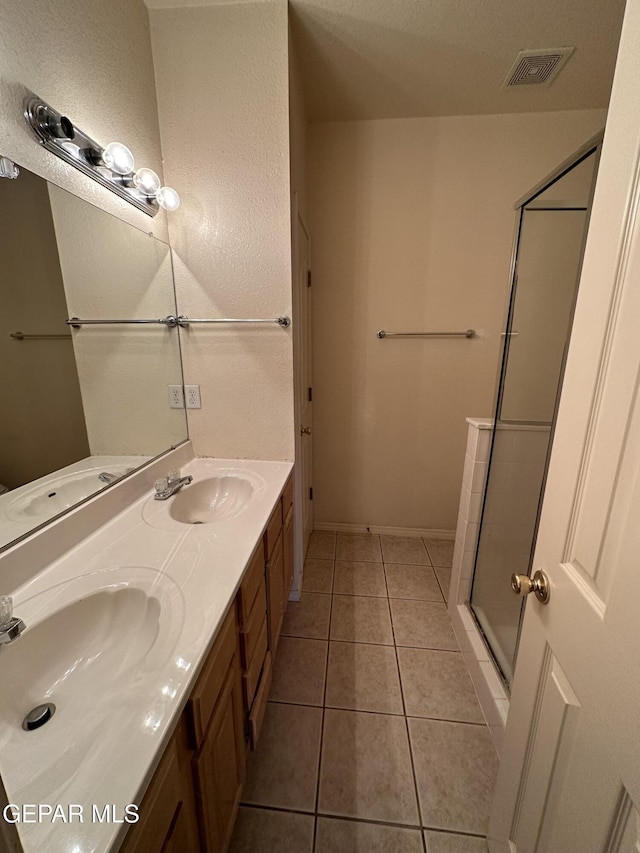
{"x": 216, "y": 711}
{"x": 275, "y": 587}
{"x": 287, "y": 542}
{"x": 192, "y": 801}
{"x": 168, "y": 822}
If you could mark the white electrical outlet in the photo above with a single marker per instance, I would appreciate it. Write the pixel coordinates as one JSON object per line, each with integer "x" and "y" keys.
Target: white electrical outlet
{"x": 176, "y": 396}
{"x": 193, "y": 396}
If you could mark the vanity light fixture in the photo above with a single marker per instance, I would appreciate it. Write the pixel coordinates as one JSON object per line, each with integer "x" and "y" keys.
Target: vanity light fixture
{"x": 147, "y": 181}
{"x": 168, "y": 198}
{"x": 118, "y": 158}
{"x": 112, "y": 166}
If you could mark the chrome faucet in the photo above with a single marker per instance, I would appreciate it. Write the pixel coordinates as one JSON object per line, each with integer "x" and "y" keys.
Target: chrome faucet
{"x": 10, "y": 626}
{"x": 106, "y": 477}
{"x": 169, "y": 485}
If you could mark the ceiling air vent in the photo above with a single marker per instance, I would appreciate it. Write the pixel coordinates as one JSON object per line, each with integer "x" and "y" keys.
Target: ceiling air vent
{"x": 537, "y": 67}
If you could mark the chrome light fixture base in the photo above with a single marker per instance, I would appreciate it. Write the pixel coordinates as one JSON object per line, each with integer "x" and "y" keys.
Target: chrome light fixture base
{"x": 59, "y": 135}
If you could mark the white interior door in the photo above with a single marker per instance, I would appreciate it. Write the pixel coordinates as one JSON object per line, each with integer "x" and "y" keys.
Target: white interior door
{"x": 304, "y": 380}
{"x": 569, "y": 779}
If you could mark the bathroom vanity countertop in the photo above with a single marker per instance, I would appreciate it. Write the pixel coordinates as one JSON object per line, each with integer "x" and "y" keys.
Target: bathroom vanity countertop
{"x": 135, "y": 609}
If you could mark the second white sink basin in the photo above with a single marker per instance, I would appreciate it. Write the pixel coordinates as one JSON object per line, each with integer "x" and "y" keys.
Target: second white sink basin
{"x": 111, "y": 633}
{"x": 93, "y": 647}
{"x": 213, "y": 499}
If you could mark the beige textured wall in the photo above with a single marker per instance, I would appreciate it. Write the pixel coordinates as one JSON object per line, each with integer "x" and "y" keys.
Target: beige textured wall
{"x": 124, "y": 370}
{"x": 412, "y": 223}
{"x": 222, "y": 81}
{"x": 92, "y": 61}
{"x": 42, "y": 425}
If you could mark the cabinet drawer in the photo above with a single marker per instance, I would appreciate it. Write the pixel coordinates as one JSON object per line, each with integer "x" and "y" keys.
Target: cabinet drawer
{"x": 219, "y": 766}
{"x": 256, "y": 717}
{"x": 250, "y": 585}
{"x": 205, "y": 694}
{"x": 287, "y": 535}
{"x": 251, "y": 675}
{"x": 250, "y": 634}
{"x": 273, "y": 530}
{"x": 275, "y": 594}
{"x": 167, "y": 812}
{"x": 287, "y": 498}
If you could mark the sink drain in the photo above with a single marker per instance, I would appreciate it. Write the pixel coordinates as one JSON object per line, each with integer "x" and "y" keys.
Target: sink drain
{"x": 38, "y": 716}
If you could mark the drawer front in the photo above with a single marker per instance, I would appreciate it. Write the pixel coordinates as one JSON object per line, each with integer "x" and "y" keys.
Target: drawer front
{"x": 275, "y": 594}
{"x": 288, "y": 556}
{"x": 167, "y": 812}
{"x": 273, "y": 530}
{"x": 205, "y": 694}
{"x": 251, "y": 676}
{"x": 287, "y": 498}
{"x": 250, "y": 586}
{"x": 256, "y": 717}
{"x": 250, "y": 634}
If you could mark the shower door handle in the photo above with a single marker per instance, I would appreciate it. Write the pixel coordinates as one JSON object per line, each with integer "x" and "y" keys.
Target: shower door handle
{"x": 523, "y": 585}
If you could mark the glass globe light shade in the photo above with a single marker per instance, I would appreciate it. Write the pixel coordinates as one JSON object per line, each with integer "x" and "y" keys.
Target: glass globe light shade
{"x": 118, "y": 158}
{"x": 168, "y": 198}
{"x": 147, "y": 181}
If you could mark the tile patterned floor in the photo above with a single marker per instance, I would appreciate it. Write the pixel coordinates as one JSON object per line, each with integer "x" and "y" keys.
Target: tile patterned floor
{"x": 373, "y": 740}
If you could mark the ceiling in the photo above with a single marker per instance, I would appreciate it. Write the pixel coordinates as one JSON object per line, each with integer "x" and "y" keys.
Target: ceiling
{"x": 371, "y": 59}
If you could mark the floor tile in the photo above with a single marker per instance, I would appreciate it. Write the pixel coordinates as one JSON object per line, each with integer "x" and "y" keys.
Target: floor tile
{"x": 437, "y": 684}
{"x": 444, "y": 579}
{"x": 266, "y": 831}
{"x": 456, "y": 766}
{"x": 363, "y": 678}
{"x": 350, "y": 836}
{"x": 404, "y": 549}
{"x": 322, "y": 545}
{"x": 361, "y": 619}
{"x": 317, "y": 575}
{"x": 363, "y": 547}
{"x": 299, "y": 672}
{"x": 283, "y": 771}
{"x": 308, "y": 617}
{"x": 424, "y": 624}
{"x": 412, "y": 582}
{"x": 366, "y": 768}
{"x": 440, "y": 551}
{"x": 451, "y": 842}
{"x": 359, "y": 579}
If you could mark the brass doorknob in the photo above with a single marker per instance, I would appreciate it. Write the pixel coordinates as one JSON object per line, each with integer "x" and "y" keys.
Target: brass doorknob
{"x": 538, "y": 585}
{"x": 305, "y": 430}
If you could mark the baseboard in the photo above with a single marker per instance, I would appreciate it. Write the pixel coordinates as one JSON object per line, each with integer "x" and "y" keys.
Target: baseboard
{"x": 339, "y": 527}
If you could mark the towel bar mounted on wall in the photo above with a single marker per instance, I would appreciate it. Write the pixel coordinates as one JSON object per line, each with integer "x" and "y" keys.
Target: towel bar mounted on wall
{"x": 171, "y": 321}
{"x": 284, "y": 322}
{"x": 469, "y": 333}
{"x": 77, "y": 323}
{"x": 20, "y": 336}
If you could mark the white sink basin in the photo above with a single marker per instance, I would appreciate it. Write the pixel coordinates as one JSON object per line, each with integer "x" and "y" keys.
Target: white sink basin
{"x": 221, "y": 494}
{"x": 210, "y": 500}
{"x": 93, "y": 646}
{"x": 60, "y": 493}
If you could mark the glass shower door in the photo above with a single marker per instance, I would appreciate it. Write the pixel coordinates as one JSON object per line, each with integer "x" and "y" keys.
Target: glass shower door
{"x": 549, "y": 255}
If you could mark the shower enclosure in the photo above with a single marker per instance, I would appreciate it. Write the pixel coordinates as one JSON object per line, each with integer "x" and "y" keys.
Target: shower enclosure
{"x": 552, "y": 223}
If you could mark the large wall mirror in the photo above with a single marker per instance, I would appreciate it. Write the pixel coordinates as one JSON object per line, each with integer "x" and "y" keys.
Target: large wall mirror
{"x": 81, "y": 407}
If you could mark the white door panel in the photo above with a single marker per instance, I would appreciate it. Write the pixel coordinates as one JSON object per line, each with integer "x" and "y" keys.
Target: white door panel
{"x": 569, "y": 780}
